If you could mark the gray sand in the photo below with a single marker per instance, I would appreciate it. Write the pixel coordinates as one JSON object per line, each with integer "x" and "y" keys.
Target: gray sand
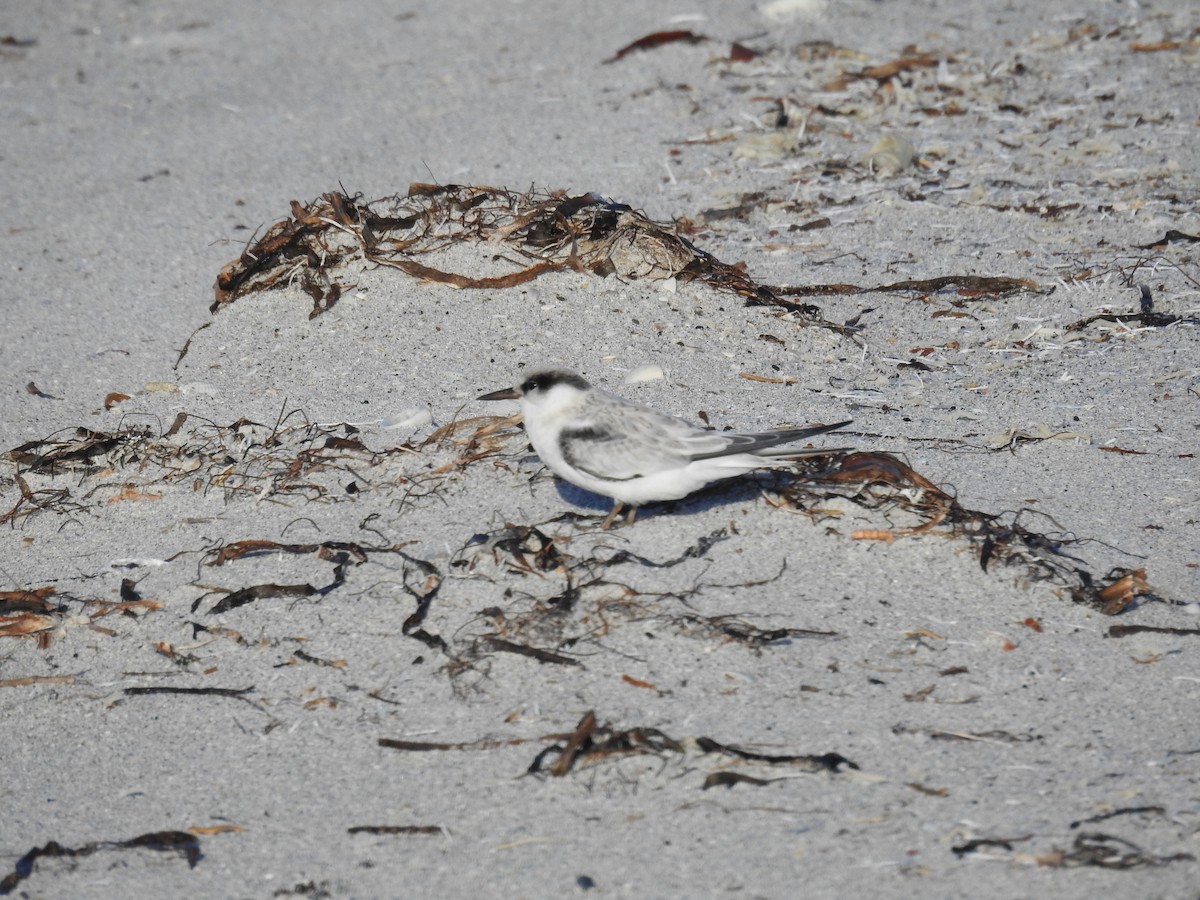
{"x": 1002, "y": 743}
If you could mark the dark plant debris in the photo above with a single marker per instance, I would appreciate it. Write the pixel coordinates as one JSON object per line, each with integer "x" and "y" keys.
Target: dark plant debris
{"x": 1121, "y": 631}
{"x": 1157, "y": 811}
{"x": 437, "y": 746}
{"x": 660, "y": 39}
{"x": 829, "y": 762}
{"x": 553, "y": 232}
{"x": 197, "y": 691}
{"x": 995, "y": 736}
{"x": 1091, "y": 849}
{"x": 1106, "y": 851}
{"x": 244, "y": 459}
{"x": 966, "y": 286}
{"x": 733, "y": 628}
{"x": 729, "y": 778}
{"x": 1171, "y": 237}
{"x": 591, "y": 743}
{"x": 987, "y": 843}
{"x": 241, "y": 597}
{"x": 82, "y": 451}
{"x": 577, "y": 601}
{"x": 36, "y": 600}
{"x": 396, "y": 829}
{"x": 542, "y": 656}
{"x": 882, "y": 481}
{"x": 186, "y": 845}
{"x": 1146, "y": 316}
{"x": 340, "y": 553}
{"x": 30, "y": 613}
{"x": 32, "y": 388}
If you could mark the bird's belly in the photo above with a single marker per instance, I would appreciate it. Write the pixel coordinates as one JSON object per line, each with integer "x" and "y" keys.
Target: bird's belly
{"x": 672, "y": 484}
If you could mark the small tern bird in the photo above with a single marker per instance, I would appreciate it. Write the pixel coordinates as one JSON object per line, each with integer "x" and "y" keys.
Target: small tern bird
{"x": 632, "y": 453}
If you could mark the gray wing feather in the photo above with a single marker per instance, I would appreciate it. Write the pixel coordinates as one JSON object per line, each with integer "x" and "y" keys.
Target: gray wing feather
{"x": 631, "y": 452}
{"x": 628, "y": 441}
{"x": 757, "y": 442}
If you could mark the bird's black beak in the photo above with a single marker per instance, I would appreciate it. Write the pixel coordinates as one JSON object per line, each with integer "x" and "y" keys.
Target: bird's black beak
{"x": 506, "y": 394}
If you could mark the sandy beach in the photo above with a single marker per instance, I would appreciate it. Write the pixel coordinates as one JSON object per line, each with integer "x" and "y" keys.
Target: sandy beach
{"x": 287, "y": 612}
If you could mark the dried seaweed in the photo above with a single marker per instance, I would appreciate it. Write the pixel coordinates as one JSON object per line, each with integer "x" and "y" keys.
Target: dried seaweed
{"x": 591, "y": 743}
{"x": 30, "y": 612}
{"x": 42, "y": 500}
{"x": 995, "y": 736}
{"x": 334, "y": 551}
{"x": 912, "y": 60}
{"x": 552, "y": 232}
{"x": 542, "y": 656}
{"x": 424, "y": 595}
{"x": 831, "y": 762}
{"x": 1172, "y": 236}
{"x": 1146, "y": 316}
{"x": 658, "y": 39}
{"x": 36, "y": 600}
{"x": 437, "y": 746}
{"x": 241, "y": 597}
{"x": 397, "y": 829}
{"x": 1121, "y": 631}
{"x": 28, "y": 623}
{"x": 82, "y": 451}
{"x": 1106, "y": 851}
{"x": 293, "y": 459}
{"x": 1091, "y": 848}
{"x": 1124, "y": 811}
{"x": 728, "y": 779}
{"x": 732, "y": 628}
{"x": 186, "y": 845}
{"x": 341, "y": 553}
{"x": 317, "y": 661}
{"x": 32, "y": 388}
{"x": 967, "y": 286}
{"x": 37, "y": 679}
{"x": 976, "y": 844}
{"x": 573, "y": 600}
{"x": 882, "y": 481}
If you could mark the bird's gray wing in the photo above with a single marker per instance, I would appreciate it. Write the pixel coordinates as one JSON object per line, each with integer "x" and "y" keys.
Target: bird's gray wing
{"x": 758, "y": 442}
{"x": 627, "y": 441}
{"x": 621, "y": 441}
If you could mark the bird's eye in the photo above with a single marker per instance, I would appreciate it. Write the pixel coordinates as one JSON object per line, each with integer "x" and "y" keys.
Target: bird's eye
{"x": 530, "y": 385}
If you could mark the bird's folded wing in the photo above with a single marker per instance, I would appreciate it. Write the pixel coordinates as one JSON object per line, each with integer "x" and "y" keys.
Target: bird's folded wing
{"x": 757, "y": 442}
{"x": 621, "y": 454}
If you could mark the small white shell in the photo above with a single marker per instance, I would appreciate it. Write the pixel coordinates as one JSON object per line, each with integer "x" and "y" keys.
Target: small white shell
{"x": 793, "y": 9}
{"x": 645, "y": 373}
{"x": 890, "y": 155}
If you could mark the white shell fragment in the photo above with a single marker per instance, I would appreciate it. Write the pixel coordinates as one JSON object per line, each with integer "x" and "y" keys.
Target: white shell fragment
{"x": 890, "y": 155}
{"x": 645, "y": 373}
{"x": 793, "y": 9}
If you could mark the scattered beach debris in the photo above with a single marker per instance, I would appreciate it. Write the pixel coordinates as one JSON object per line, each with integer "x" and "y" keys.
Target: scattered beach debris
{"x": 183, "y": 843}
{"x": 661, "y": 39}
{"x": 592, "y": 743}
{"x": 890, "y": 155}
{"x": 319, "y": 246}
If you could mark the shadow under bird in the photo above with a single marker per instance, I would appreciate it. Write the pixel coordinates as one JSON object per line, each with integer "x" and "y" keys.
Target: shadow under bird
{"x": 634, "y": 454}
